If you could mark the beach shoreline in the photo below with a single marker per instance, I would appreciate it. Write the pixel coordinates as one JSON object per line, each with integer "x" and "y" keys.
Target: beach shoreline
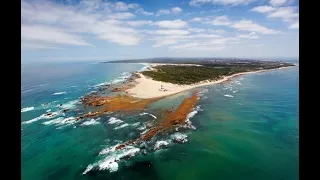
{"x": 145, "y": 87}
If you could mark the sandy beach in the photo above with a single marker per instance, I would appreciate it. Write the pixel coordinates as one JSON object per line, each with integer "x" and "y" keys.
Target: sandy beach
{"x": 149, "y": 88}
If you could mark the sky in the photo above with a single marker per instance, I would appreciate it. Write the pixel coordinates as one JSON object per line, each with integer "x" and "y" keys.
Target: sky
{"x": 98, "y": 30}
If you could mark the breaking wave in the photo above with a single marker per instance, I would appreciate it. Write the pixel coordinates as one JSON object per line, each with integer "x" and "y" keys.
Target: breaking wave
{"x": 61, "y": 121}
{"x": 227, "y": 95}
{"x": 121, "y": 126}
{"x": 27, "y": 109}
{"x": 113, "y": 157}
{"x": 59, "y": 93}
{"x": 144, "y": 113}
{"x": 91, "y": 122}
{"x": 160, "y": 145}
{"x": 114, "y": 120}
{"x": 44, "y": 116}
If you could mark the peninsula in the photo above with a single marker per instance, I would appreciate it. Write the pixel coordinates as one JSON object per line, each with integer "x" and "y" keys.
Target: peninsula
{"x": 164, "y": 78}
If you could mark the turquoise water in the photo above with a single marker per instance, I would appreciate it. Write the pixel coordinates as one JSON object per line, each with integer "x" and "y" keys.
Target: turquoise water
{"x": 245, "y": 129}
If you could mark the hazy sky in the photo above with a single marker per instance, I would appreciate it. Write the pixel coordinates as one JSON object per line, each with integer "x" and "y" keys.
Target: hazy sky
{"x": 69, "y": 30}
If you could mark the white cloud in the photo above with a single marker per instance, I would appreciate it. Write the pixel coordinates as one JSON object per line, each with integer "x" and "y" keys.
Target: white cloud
{"x": 221, "y": 21}
{"x": 175, "y": 24}
{"x": 263, "y": 9}
{"x": 174, "y": 10}
{"x": 163, "y": 12}
{"x": 220, "y": 2}
{"x": 171, "y": 32}
{"x": 196, "y": 30}
{"x": 120, "y": 38}
{"x": 164, "y": 42}
{"x": 195, "y": 46}
{"x": 36, "y": 45}
{"x": 196, "y": 19}
{"x": 218, "y": 31}
{"x": 286, "y": 13}
{"x": 142, "y": 11}
{"x": 248, "y": 25}
{"x": 70, "y": 22}
{"x": 278, "y": 2}
{"x": 138, "y": 23}
{"x": 251, "y": 35}
{"x": 243, "y": 25}
{"x": 294, "y": 26}
{"x": 121, "y": 6}
{"x": 124, "y": 15}
{"x": 50, "y": 35}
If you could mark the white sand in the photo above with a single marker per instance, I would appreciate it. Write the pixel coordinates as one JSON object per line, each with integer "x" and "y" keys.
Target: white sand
{"x": 149, "y": 88}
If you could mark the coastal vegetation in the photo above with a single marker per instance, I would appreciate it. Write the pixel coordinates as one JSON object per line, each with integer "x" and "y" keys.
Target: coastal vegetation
{"x": 186, "y": 75}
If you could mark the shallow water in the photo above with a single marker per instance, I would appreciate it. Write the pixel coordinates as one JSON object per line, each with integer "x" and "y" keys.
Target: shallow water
{"x": 252, "y": 133}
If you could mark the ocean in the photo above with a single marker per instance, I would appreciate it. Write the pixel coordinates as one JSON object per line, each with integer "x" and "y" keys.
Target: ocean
{"x": 244, "y": 129}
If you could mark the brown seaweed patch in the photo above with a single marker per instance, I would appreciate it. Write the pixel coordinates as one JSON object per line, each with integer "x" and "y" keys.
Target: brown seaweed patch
{"x": 119, "y": 103}
{"x": 174, "y": 119}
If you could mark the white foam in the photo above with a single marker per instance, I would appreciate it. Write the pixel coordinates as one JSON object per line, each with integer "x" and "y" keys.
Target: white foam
{"x": 61, "y": 121}
{"x": 91, "y": 122}
{"x": 108, "y": 150}
{"x": 114, "y": 120}
{"x": 27, "y": 109}
{"x": 145, "y": 67}
{"x": 179, "y": 137}
{"x": 123, "y": 77}
{"x": 142, "y": 114}
{"x": 143, "y": 132}
{"x": 68, "y": 121}
{"x": 121, "y": 126}
{"x": 49, "y": 110}
{"x": 155, "y": 117}
{"x": 89, "y": 168}
{"x": 227, "y": 95}
{"x": 190, "y": 115}
{"x": 194, "y": 112}
{"x": 110, "y": 164}
{"x": 101, "y": 84}
{"x": 135, "y": 124}
{"x": 160, "y": 144}
{"x": 142, "y": 127}
{"x": 32, "y": 120}
{"x": 203, "y": 91}
{"x": 53, "y": 121}
{"x": 114, "y": 156}
{"x": 234, "y": 91}
{"x": 70, "y": 104}
{"x": 43, "y": 116}
{"x": 59, "y": 93}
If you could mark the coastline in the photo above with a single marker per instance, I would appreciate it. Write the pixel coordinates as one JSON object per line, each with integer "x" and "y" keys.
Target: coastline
{"x": 145, "y": 87}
